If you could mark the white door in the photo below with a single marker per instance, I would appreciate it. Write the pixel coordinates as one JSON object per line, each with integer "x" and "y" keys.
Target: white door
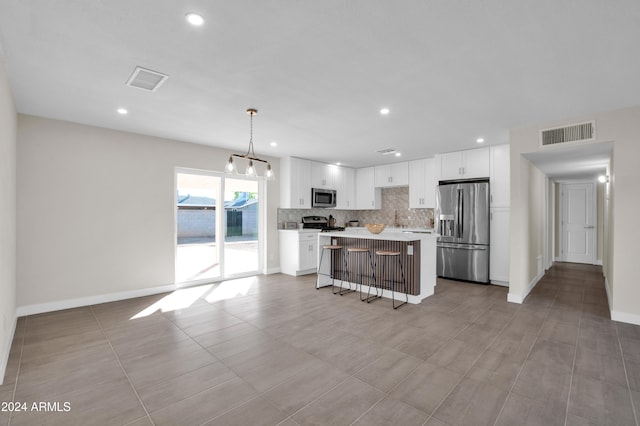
{"x": 578, "y": 223}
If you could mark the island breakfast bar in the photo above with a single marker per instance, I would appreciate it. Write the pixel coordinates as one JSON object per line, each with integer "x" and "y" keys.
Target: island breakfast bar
{"x": 418, "y": 256}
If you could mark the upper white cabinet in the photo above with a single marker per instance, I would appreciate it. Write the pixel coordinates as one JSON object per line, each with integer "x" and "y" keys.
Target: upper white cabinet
{"x": 345, "y": 181}
{"x": 500, "y": 176}
{"x": 388, "y": 175}
{"x": 470, "y": 164}
{"x": 422, "y": 184}
{"x": 322, "y": 175}
{"x": 368, "y": 197}
{"x": 295, "y": 183}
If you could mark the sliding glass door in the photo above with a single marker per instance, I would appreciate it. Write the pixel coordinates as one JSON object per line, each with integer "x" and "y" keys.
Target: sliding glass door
{"x": 217, "y": 226}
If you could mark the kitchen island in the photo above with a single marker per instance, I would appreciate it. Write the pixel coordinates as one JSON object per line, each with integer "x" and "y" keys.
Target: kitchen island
{"x": 418, "y": 255}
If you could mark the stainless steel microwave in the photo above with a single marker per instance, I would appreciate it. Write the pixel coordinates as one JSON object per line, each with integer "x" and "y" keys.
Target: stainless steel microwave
{"x": 323, "y": 197}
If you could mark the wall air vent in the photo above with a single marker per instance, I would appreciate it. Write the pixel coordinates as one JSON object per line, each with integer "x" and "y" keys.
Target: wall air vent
{"x": 581, "y": 132}
{"x": 386, "y": 151}
{"x": 143, "y": 78}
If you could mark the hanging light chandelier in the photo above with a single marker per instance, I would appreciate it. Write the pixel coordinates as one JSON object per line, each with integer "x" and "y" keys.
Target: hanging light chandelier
{"x": 250, "y": 155}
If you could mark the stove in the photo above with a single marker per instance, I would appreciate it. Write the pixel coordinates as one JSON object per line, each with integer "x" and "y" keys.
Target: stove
{"x": 319, "y": 222}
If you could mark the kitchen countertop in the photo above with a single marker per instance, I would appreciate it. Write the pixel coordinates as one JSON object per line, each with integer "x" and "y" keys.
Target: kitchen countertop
{"x": 391, "y": 234}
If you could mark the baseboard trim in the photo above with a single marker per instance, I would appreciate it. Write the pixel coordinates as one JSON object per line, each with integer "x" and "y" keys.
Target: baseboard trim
{"x": 91, "y": 300}
{"x": 519, "y": 298}
{"x": 606, "y": 288}
{"x": 625, "y": 317}
{"x": 7, "y": 349}
{"x": 271, "y": 271}
{"x": 515, "y": 298}
{"x": 598, "y": 262}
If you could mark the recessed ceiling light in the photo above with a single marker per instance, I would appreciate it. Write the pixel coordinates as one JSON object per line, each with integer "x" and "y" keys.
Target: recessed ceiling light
{"x": 337, "y": 164}
{"x": 122, "y": 111}
{"x": 480, "y": 140}
{"x": 273, "y": 143}
{"x": 384, "y": 111}
{"x": 398, "y": 154}
{"x": 194, "y": 19}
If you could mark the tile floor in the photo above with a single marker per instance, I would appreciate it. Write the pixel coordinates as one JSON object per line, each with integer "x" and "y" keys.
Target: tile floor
{"x": 285, "y": 353}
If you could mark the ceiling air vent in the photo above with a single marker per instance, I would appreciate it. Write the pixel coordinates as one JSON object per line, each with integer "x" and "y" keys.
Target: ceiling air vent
{"x": 143, "y": 78}
{"x": 386, "y": 151}
{"x": 575, "y": 133}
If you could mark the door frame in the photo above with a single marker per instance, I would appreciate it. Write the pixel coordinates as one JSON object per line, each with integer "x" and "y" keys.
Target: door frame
{"x": 594, "y": 212}
{"x": 221, "y": 223}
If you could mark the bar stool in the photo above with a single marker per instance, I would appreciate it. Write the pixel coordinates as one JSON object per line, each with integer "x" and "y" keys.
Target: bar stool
{"x": 330, "y": 249}
{"x": 359, "y": 265}
{"x": 387, "y": 257}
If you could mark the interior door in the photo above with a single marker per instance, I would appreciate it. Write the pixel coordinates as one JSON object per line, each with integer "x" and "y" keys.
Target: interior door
{"x": 578, "y": 223}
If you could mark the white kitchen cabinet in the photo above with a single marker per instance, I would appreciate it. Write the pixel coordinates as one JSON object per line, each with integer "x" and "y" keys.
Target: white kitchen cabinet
{"x": 345, "y": 180}
{"x": 295, "y": 183}
{"x": 422, "y": 184}
{"x": 500, "y": 176}
{"x": 390, "y": 175}
{"x": 322, "y": 175}
{"x": 368, "y": 197}
{"x": 298, "y": 252}
{"x": 499, "y": 240}
{"x": 470, "y": 164}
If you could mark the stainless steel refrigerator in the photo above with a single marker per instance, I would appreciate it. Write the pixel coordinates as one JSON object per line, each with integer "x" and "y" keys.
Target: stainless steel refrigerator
{"x": 462, "y": 214}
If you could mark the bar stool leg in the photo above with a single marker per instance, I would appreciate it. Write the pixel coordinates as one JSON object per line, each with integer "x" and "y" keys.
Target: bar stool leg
{"x": 373, "y": 278}
{"x": 404, "y": 287}
{"x": 348, "y": 274}
{"x": 376, "y": 285}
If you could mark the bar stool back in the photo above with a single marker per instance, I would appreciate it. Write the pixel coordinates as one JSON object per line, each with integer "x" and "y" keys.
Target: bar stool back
{"x": 387, "y": 259}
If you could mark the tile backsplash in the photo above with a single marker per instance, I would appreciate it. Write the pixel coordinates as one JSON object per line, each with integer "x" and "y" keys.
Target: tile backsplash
{"x": 395, "y": 211}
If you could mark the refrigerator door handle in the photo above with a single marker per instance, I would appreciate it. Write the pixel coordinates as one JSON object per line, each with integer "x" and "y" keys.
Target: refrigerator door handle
{"x": 461, "y": 246}
{"x": 460, "y": 213}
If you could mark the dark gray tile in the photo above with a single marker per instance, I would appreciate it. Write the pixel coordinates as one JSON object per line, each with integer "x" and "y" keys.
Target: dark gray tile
{"x": 256, "y": 412}
{"x": 497, "y": 369}
{"x": 426, "y": 387}
{"x": 111, "y": 402}
{"x": 630, "y": 349}
{"x": 601, "y": 402}
{"x": 388, "y": 371}
{"x": 343, "y": 405}
{"x": 472, "y": 402}
{"x": 520, "y": 410}
{"x": 457, "y": 355}
{"x": 305, "y": 386}
{"x": 205, "y": 405}
{"x": 392, "y": 412}
{"x": 174, "y": 389}
{"x": 553, "y": 353}
{"x": 559, "y": 331}
{"x": 544, "y": 382}
{"x": 600, "y": 367}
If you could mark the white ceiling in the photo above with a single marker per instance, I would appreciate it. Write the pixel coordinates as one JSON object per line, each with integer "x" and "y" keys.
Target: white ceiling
{"x": 319, "y": 71}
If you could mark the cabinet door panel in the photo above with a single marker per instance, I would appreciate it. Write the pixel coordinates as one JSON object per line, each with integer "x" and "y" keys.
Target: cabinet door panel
{"x": 477, "y": 163}
{"x": 499, "y": 249}
{"x": 500, "y": 176}
{"x": 450, "y": 165}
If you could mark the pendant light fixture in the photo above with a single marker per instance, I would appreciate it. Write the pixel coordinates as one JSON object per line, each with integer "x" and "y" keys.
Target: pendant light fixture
{"x": 250, "y": 155}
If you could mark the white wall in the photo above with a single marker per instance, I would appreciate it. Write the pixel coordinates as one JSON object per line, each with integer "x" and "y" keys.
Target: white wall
{"x": 7, "y": 218}
{"x": 96, "y": 211}
{"x": 621, "y": 231}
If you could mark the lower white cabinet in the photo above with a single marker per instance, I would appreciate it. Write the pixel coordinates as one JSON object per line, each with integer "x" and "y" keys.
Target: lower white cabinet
{"x": 298, "y": 251}
{"x": 499, "y": 239}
